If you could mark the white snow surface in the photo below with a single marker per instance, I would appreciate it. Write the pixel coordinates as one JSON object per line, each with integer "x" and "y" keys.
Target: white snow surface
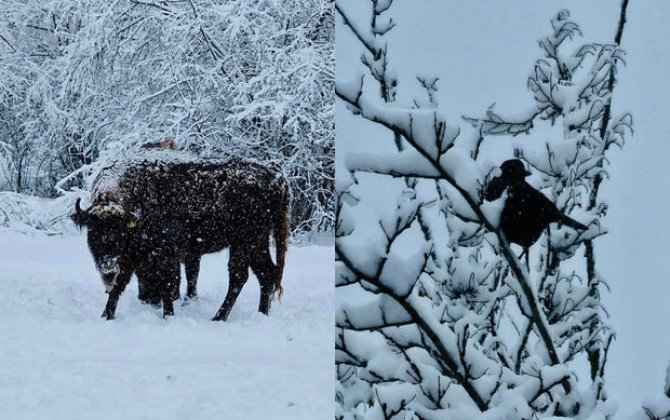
{"x": 60, "y": 360}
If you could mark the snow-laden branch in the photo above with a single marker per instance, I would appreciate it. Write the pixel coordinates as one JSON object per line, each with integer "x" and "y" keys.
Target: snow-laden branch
{"x": 251, "y": 79}
{"x": 468, "y": 282}
{"x": 367, "y": 39}
{"x": 431, "y": 147}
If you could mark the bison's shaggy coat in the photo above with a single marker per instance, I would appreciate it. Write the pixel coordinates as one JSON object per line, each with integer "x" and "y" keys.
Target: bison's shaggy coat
{"x": 150, "y": 213}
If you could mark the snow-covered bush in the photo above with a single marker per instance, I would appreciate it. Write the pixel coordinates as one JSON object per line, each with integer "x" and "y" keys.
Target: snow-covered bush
{"x": 442, "y": 319}
{"x": 28, "y": 214}
{"x": 225, "y": 78}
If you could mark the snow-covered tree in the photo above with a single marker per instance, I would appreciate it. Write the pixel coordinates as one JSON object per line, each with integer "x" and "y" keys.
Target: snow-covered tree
{"x": 224, "y": 78}
{"x": 443, "y": 319}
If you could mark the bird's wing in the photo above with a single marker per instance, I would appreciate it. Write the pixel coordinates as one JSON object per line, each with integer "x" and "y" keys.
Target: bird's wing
{"x": 538, "y": 207}
{"x": 550, "y": 212}
{"x": 495, "y": 188}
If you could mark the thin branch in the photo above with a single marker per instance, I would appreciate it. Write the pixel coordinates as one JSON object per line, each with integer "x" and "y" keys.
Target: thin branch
{"x": 445, "y": 356}
{"x": 368, "y": 44}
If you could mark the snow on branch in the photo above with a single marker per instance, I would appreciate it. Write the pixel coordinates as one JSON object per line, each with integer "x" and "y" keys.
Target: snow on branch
{"x": 559, "y": 87}
{"x": 399, "y": 120}
{"x": 461, "y": 314}
{"x": 367, "y": 39}
{"x": 241, "y": 78}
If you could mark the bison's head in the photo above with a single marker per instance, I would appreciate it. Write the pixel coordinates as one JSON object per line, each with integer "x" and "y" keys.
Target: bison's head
{"x": 110, "y": 228}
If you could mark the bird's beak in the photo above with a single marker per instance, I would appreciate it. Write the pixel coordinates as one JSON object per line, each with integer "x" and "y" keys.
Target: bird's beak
{"x": 528, "y": 173}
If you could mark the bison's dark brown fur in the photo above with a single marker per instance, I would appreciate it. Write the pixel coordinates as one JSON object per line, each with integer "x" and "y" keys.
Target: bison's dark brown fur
{"x": 149, "y": 292}
{"x": 147, "y": 215}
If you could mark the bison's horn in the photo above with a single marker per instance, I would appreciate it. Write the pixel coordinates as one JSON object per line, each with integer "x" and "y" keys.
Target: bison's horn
{"x": 79, "y": 216}
{"x": 77, "y": 207}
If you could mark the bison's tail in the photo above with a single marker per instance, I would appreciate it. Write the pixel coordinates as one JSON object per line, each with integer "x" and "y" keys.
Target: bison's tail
{"x": 281, "y": 234}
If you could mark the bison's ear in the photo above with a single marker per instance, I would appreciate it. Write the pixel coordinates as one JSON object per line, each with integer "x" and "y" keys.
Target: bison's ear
{"x": 79, "y": 217}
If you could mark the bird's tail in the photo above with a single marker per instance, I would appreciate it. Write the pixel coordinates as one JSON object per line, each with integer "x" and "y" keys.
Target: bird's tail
{"x": 572, "y": 223}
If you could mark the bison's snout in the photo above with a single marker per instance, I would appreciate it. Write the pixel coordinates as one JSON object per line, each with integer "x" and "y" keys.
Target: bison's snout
{"x": 109, "y": 269}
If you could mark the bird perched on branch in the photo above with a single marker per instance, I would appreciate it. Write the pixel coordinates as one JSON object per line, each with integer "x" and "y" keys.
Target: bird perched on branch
{"x": 527, "y": 212}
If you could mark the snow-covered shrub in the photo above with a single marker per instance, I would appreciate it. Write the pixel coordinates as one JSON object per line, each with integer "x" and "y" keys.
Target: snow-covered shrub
{"x": 441, "y": 319}
{"x": 28, "y": 214}
{"x": 574, "y": 89}
{"x": 225, "y": 78}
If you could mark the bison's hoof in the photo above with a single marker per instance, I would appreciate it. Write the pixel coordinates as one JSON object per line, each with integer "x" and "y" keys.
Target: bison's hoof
{"x": 219, "y": 318}
{"x": 107, "y": 315}
{"x": 155, "y": 302}
{"x": 188, "y": 299}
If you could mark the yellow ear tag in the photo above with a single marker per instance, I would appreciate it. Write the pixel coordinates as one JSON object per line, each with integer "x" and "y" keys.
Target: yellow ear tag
{"x": 132, "y": 224}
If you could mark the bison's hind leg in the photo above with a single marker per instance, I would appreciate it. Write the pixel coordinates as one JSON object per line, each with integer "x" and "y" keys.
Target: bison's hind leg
{"x": 238, "y": 273}
{"x": 170, "y": 281}
{"x": 192, "y": 268}
{"x": 266, "y": 272}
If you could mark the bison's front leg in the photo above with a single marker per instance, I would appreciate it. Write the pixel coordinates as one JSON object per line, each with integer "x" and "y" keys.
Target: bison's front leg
{"x": 122, "y": 280}
{"x": 238, "y": 273}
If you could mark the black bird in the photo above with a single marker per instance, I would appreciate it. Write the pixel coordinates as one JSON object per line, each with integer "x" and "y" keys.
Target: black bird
{"x": 527, "y": 212}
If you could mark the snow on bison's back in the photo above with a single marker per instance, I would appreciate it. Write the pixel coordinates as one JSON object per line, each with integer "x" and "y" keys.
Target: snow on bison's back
{"x": 214, "y": 202}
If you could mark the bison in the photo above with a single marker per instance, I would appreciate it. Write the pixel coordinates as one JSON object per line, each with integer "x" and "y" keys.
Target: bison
{"x": 161, "y": 207}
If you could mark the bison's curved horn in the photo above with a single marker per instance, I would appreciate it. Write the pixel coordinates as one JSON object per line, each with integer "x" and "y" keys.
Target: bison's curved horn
{"x": 79, "y": 215}
{"x": 77, "y": 207}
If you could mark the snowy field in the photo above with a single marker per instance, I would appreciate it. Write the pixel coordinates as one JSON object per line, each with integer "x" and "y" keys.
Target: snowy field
{"x": 484, "y": 55}
{"x": 60, "y": 360}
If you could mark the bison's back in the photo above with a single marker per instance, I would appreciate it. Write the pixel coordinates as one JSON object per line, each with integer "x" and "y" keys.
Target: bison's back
{"x": 205, "y": 204}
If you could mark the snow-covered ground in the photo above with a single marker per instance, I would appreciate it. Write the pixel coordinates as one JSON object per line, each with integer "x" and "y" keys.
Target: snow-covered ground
{"x": 59, "y": 360}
